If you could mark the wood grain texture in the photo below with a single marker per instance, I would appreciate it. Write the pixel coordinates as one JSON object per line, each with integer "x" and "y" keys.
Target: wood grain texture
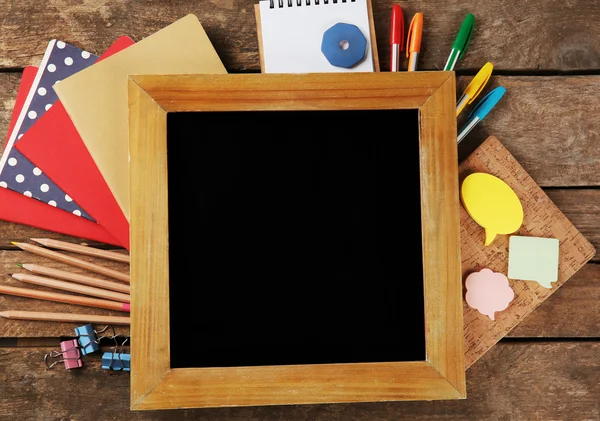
{"x": 71, "y": 287}
{"x": 66, "y": 317}
{"x": 75, "y": 261}
{"x": 9, "y": 84}
{"x": 572, "y": 311}
{"x": 541, "y": 219}
{"x": 22, "y": 233}
{"x": 440, "y": 376}
{"x": 440, "y": 208}
{"x": 19, "y": 328}
{"x": 289, "y": 92}
{"x": 531, "y": 121}
{"x": 81, "y": 249}
{"x": 514, "y": 381}
{"x": 547, "y": 124}
{"x": 537, "y": 35}
{"x": 582, "y": 207}
{"x": 149, "y": 265}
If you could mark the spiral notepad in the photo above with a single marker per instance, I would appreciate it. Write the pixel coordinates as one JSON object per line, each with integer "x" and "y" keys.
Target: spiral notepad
{"x": 291, "y": 33}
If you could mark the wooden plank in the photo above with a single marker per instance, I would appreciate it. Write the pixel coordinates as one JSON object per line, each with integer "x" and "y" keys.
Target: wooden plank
{"x": 572, "y": 311}
{"x": 514, "y": 381}
{"x": 542, "y": 219}
{"x": 9, "y": 84}
{"x": 514, "y": 36}
{"x": 582, "y": 207}
{"x": 547, "y": 123}
{"x": 21, "y": 328}
{"x": 533, "y": 125}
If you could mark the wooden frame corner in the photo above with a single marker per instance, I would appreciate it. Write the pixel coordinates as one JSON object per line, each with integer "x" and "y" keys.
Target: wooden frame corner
{"x": 154, "y": 384}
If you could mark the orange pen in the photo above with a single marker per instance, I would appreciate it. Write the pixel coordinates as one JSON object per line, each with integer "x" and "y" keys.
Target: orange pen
{"x": 413, "y": 41}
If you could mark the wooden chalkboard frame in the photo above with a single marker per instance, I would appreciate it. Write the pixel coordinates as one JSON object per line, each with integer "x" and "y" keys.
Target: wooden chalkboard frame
{"x": 154, "y": 384}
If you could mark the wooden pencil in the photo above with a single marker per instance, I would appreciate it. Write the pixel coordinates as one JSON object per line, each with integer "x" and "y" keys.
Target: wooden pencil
{"x": 73, "y": 261}
{"x": 64, "y": 298}
{"x": 72, "y": 287}
{"x": 43, "y": 316}
{"x": 76, "y": 277}
{"x": 81, "y": 249}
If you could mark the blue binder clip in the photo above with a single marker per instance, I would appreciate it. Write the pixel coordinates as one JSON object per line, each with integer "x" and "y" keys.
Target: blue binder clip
{"x": 88, "y": 338}
{"x": 116, "y": 361}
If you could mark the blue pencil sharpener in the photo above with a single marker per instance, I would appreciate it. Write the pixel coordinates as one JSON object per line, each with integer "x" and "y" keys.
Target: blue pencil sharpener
{"x": 344, "y": 45}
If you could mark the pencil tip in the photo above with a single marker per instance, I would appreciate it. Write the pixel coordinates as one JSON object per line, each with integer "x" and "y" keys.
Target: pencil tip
{"x": 20, "y": 265}
{"x": 14, "y": 243}
{"x": 9, "y": 274}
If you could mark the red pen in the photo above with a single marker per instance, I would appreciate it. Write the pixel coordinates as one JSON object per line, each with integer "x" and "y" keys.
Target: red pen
{"x": 396, "y": 37}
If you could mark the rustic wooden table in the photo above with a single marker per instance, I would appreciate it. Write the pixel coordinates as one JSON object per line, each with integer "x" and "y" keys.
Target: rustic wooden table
{"x": 546, "y": 53}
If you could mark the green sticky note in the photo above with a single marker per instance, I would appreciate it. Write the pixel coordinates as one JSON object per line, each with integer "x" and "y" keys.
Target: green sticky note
{"x": 533, "y": 259}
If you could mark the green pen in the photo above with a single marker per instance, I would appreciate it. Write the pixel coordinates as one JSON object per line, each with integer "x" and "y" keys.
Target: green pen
{"x": 461, "y": 42}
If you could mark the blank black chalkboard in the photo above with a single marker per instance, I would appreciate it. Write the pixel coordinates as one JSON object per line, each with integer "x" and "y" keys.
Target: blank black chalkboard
{"x": 294, "y": 238}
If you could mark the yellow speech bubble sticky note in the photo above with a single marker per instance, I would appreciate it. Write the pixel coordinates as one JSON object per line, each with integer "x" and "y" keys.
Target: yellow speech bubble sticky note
{"x": 492, "y": 204}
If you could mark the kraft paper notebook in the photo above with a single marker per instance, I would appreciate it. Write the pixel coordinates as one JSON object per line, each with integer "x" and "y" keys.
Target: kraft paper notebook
{"x": 20, "y": 209}
{"x": 541, "y": 218}
{"x": 290, "y": 34}
{"x": 54, "y": 145}
{"x": 96, "y": 98}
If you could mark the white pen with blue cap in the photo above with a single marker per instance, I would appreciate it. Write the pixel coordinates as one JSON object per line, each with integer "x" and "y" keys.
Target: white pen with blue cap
{"x": 481, "y": 110}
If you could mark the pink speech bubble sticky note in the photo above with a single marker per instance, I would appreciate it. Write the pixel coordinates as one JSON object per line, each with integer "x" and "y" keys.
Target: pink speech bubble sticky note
{"x": 488, "y": 292}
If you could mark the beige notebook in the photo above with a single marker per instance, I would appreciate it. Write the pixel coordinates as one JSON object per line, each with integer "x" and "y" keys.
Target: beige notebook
{"x": 96, "y": 98}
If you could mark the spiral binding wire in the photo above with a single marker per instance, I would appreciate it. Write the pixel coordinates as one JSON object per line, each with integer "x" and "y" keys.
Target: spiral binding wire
{"x": 306, "y": 2}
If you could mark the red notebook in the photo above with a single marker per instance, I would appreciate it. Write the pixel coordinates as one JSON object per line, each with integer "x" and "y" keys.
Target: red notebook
{"x": 54, "y": 145}
{"x": 23, "y": 210}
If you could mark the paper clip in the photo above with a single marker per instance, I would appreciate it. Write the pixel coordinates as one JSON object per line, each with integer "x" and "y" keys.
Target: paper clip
{"x": 69, "y": 354}
{"x": 117, "y": 361}
{"x": 88, "y": 338}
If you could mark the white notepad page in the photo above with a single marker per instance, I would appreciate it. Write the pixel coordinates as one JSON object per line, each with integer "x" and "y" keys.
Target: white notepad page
{"x": 292, "y": 34}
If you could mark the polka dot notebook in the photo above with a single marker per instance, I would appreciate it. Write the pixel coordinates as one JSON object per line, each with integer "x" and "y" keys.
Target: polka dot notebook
{"x": 17, "y": 173}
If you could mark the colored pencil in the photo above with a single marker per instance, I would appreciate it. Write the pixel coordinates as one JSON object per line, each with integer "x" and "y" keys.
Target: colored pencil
{"x": 73, "y": 261}
{"x": 64, "y": 298}
{"x": 44, "y": 316}
{"x": 76, "y": 277}
{"x": 71, "y": 287}
{"x": 81, "y": 249}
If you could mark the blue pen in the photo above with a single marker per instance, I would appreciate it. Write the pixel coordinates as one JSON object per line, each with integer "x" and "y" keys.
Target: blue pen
{"x": 481, "y": 110}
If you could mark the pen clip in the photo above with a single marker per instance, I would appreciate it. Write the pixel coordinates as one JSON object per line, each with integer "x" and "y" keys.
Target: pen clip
{"x": 486, "y": 74}
{"x": 500, "y": 90}
{"x": 401, "y": 29}
{"x": 463, "y": 50}
{"x": 410, "y": 35}
{"x": 397, "y": 26}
